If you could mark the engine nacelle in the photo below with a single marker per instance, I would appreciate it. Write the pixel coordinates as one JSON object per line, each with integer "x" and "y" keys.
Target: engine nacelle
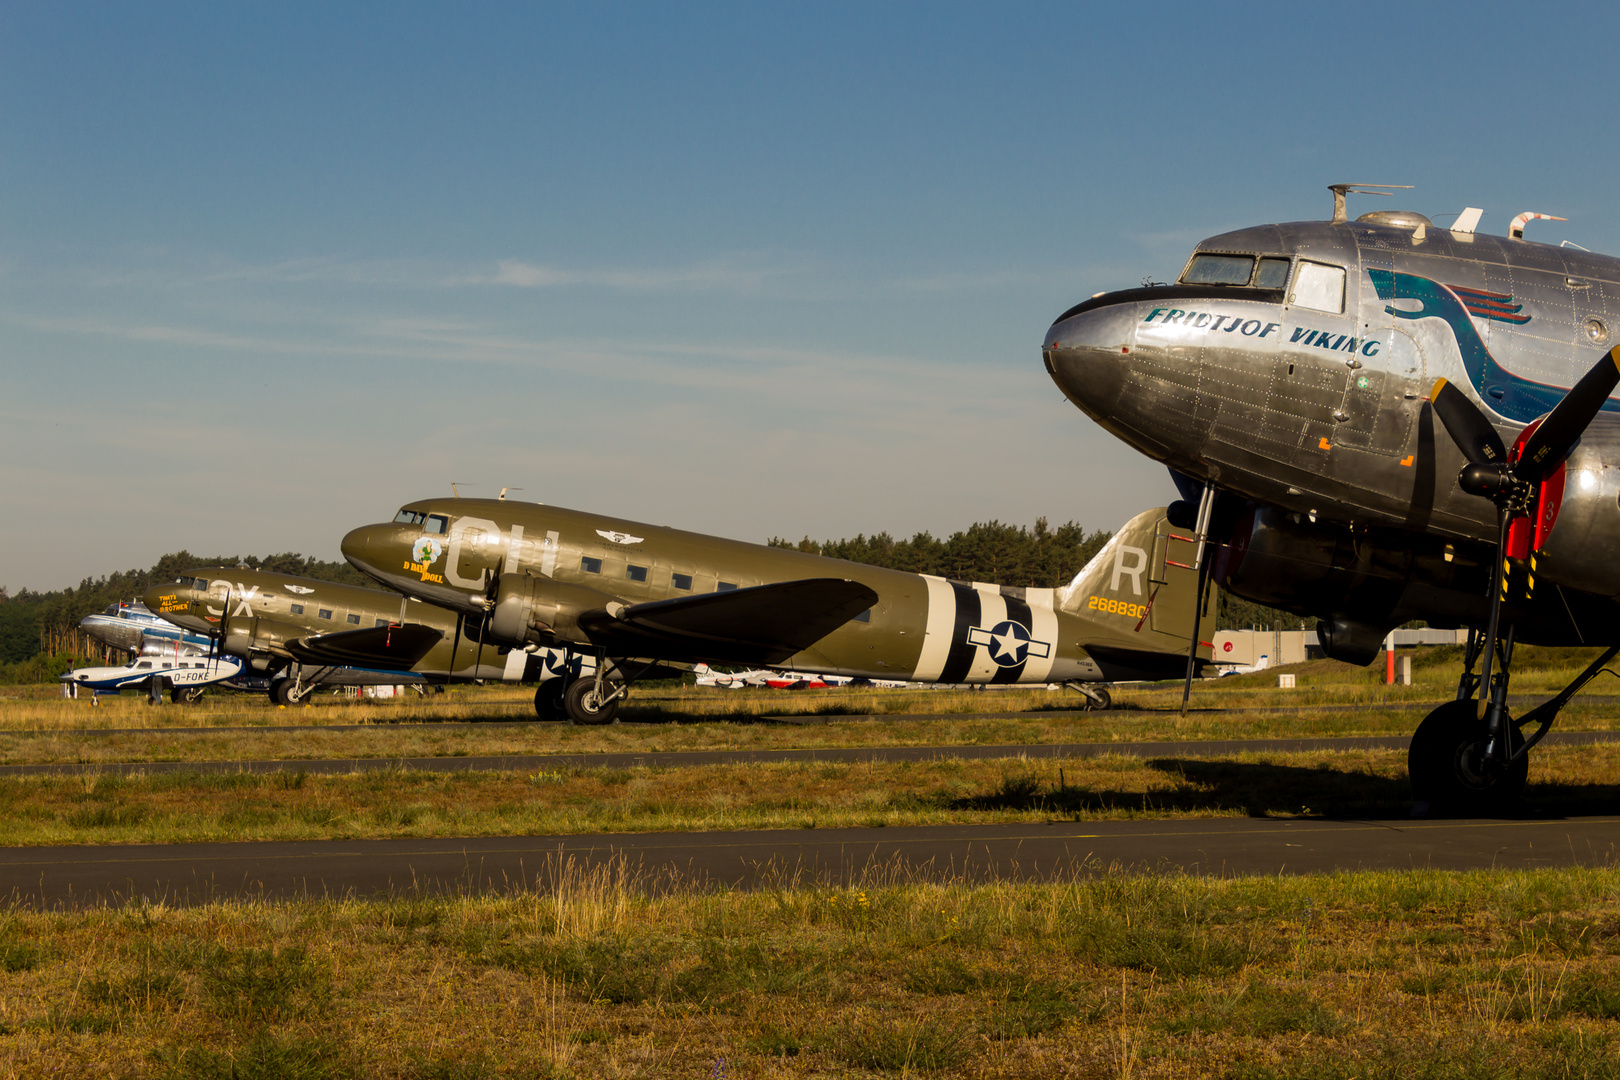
{"x": 540, "y": 610}
{"x": 1351, "y": 641}
{"x": 244, "y": 636}
{"x": 1360, "y": 582}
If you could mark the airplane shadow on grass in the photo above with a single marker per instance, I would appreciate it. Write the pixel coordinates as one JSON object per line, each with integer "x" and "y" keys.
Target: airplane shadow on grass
{"x": 1264, "y": 789}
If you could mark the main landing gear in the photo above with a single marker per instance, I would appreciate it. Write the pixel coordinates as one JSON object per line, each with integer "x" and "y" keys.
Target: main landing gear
{"x": 581, "y": 698}
{"x": 1470, "y": 756}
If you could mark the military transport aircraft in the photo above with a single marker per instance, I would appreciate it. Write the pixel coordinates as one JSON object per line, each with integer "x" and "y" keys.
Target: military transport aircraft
{"x": 134, "y": 629}
{"x": 308, "y": 633}
{"x": 1383, "y": 420}
{"x": 629, "y": 595}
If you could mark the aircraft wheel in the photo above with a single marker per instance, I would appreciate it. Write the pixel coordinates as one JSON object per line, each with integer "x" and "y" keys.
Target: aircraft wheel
{"x": 548, "y": 700}
{"x": 1101, "y": 702}
{"x": 187, "y": 695}
{"x": 582, "y": 706}
{"x": 1447, "y": 767}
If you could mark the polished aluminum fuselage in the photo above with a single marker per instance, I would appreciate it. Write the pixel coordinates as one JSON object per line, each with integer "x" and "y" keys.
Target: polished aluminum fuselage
{"x": 1326, "y": 414}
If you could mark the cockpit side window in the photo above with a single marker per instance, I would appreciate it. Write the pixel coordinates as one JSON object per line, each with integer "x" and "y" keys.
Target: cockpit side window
{"x": 1273, "y": 274}
{"x": 200, "y": 584}
{"x": 437, "y": 523}
{"x": 1219, "y": 270}
{"x": 1319, "y": 287}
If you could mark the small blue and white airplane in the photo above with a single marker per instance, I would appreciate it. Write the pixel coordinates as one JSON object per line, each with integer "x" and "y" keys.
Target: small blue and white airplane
{"x": 183, "y": 674}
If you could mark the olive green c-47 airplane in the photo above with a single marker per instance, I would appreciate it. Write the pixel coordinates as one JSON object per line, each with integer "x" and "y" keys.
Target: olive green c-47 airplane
{"x": 632, "y": 595}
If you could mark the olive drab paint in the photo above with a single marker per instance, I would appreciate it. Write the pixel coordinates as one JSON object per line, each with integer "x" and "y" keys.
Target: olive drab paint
{"x": 547, "y": 572}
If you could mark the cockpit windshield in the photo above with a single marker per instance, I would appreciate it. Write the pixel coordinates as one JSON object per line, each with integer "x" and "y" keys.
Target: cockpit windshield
{"x": 409, "y": 517}
{"x": 1240, "y": 271}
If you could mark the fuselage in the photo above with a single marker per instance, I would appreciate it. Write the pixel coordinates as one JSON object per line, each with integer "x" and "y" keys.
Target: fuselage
{"x": 451, "y": 551}
{"x": 1292, "y": 364}
{"x": 134, "y": 628}
{"x": 268, "y": 609}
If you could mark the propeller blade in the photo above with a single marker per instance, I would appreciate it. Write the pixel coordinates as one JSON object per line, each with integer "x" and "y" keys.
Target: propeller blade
{"x": 1473, "y": 434}
{"x": 1557, "y": 435}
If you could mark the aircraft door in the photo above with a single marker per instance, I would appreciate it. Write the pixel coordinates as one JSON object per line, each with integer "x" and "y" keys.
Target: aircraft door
{"x": 1378, "y": 393}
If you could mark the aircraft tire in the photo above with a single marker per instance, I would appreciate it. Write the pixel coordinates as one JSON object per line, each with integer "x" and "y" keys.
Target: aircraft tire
{"x": 1443, "y": 763}
{"x": 188, "y": 695}
{"x": 579, "y": 702}
{"x": 1101, "y": 703}
{"x": 548, "y": 700}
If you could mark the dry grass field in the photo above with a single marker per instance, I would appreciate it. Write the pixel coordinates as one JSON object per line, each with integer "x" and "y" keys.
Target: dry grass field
{"x": 1417, "y": 974}
{"x": 1374, "y": 975}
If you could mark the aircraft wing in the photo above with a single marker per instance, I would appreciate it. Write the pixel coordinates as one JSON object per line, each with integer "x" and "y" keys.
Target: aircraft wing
{"x": 762, "y": 625}
{"x": 389, "y": 648}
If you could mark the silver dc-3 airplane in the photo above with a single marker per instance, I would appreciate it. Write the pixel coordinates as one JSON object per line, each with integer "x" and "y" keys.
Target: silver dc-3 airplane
{"x": 1381, "y": 420}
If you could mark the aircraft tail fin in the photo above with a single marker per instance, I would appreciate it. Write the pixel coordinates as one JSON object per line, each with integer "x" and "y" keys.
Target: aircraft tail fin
{"x": 1142, "y": 588}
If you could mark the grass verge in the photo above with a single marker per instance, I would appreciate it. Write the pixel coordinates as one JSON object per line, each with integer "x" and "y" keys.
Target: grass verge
{"x": 1424, "y": 974}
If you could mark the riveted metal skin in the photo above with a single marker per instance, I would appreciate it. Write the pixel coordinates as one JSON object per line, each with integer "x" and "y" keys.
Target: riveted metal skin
{"x": 1323, "y": 416}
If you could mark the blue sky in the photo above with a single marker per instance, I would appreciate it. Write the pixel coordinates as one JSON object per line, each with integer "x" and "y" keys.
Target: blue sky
{"x": 754, "y": 270}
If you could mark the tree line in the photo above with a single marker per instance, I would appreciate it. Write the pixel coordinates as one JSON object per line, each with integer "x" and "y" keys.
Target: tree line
{"x": 988, "y": 551}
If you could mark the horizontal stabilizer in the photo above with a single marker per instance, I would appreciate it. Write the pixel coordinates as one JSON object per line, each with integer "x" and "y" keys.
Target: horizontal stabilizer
{"x": 389, "y": 648}
{"x": 762, "y": 625}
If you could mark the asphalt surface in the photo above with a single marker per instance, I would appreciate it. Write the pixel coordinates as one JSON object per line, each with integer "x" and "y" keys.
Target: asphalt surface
{"x": 691, "y": 758}
{"x": 189, "y": 873}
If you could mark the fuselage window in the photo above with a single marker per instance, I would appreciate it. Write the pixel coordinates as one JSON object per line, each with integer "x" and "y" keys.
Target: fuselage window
{"x": 1273, "y": 274}
{"x": 355, "y": 619}
{"x": 143, "y": 664}
{"x": 326, "y": 613}
{"x": 437, "y": 523}
{"x": 1319, "y": 287}
{"x": 681, "y": 581}
{"x": 1219, "y": 270}
{"x": 380, "y": 622}
{"x": 296, "y": 609}
{"x": 724, "y": 586}
{"x": 590, "y": 565}
{"x": 636, "y": 573}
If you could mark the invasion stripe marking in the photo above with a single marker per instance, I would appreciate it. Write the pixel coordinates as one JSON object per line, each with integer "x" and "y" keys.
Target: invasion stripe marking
{"x": 960, "y": 659}
{"x": 936, "y": 644}
{"x": 992, "y": 612}
{"x": 1043, "y": 627}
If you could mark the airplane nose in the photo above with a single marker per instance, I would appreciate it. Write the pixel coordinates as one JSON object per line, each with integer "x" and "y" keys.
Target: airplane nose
{"x": 153, "y": 597}
{"x": 363, "y": 546}
{"x": 1088, "y": 355}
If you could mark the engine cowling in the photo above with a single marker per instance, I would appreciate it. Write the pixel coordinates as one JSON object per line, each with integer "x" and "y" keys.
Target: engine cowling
{"x": 539, "y": 610}
{"x": 245, "y": 636}
{"x": 1360, "y": 582}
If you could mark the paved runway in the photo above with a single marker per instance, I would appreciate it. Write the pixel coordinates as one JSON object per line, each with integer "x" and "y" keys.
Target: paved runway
{"x": 691, "y": 758}
{"x": 70, "y": 876}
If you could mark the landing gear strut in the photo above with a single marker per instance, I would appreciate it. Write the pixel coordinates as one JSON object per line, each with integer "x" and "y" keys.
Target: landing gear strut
{"x": 1098, "y": 699}
{"x": 592, "y": 700}
{"x": 1465, "y": 762}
